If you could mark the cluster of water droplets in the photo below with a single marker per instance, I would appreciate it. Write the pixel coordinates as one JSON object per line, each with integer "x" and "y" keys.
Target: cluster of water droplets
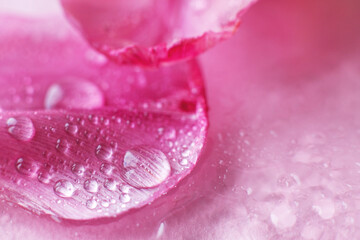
{"x": 112, "y": 175}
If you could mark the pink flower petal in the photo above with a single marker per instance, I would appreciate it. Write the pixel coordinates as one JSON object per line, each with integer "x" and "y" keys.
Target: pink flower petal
{"x": 152, "y": 32}
{"x": 83, "y": 138}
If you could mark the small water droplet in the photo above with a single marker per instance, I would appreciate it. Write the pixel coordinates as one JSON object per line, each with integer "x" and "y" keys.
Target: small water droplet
{"x": 91, "y": 203}
{"x": 71, "y": 128}
{"x": 146, "y": 167}
{"x": 78, "y": 169}
{"x": 64, "y": 188}
{"x": 91, "y": 185}
{"x": 124, "y": 188}
{"x": 186, "y": 153}
{"x": 184, "y": 162}
{"x": 44, "y": 177}
{"x": 26, "y": 167}
{"x": 62, "y": 145}
{"x": 125, "y": 198}
{"x": 104, "y": 152}
{"x": 106, "y": 168}
{"x": 105, "y": 203}
{"x": 21, "y": 128}
{"x": 170, "y": 133}
{"x": 110, "y": 184}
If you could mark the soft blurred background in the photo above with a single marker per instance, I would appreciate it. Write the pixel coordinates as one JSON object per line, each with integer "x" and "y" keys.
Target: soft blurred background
{"x": 282, "y": 157}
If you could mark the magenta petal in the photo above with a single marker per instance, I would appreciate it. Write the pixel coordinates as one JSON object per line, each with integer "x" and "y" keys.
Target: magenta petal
{"x": 134, "y": 134}
{"x": 157, "y": 31}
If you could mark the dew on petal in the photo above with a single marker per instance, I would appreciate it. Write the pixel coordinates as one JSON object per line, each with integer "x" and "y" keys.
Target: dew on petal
{"x": 91, "y": 185}
{"x": 91, "y": 203}
{"x": 64, "y": 188}
{"x": 145, "y": 167}
{"x": 104, "y": 152}
{"x": 21, "y": 128}
{"x": 110, "y": 184}
{"x": 78, "y": 169}
{"x": 26, "y": 167}
{"x": 71, "y": 128}
{"x": 125, "y": 198}
{"x": 106, "y": 168}
{"x": 44, "y": 177}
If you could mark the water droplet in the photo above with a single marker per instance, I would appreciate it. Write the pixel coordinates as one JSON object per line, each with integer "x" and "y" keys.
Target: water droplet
{"x": 91, "y": 203}
{"x": 184, "y": 162}
{"x": 78, "y": 169}
{"x": 124, "y": 188}
{"x": 283, "y": 216}
{"x": 325, "y": 208}
{"x": 26, "y": 167}
{"x": 110, "y": 184}
{"x": 105, "y": 203}
{"x": 44, "y": 177}
{"x": 160, "y": 231}
{"x": 64, "y": 188}
{"x": 125, "y": 198}
{"x": 106, "y": 168}
{"x": 74, "y": 93}
{"x": 21, "y": 128}
{"x": 62, "y": 145}
{"x": 170, "y": 133}
{"x": 53, "y": 96}
{"x": 91, "y": 185}
{"x": 147, "y": 167}
{"x": 186, "y": 153}
{"x": 104, "y": 152}
{"x": 71, "y": 128}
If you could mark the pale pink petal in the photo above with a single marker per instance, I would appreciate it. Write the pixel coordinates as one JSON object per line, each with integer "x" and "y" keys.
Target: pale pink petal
{"x": 151, "y": 32}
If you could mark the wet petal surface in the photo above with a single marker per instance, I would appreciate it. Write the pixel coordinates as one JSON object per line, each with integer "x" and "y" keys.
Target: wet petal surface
{"x": 282, "y": 151}
{"x": 83, "y": 138}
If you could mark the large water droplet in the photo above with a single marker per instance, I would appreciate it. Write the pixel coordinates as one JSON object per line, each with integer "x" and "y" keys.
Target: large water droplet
{"x": 91, "y": 185}
{"x": 21, "y": 128}
{"x": 64, "y": 188}
{"x": 26, "y": 167}
{"x": 146, "y": 167}
{"x": 104, "y": 152}
{"x": 74, "y": 93}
